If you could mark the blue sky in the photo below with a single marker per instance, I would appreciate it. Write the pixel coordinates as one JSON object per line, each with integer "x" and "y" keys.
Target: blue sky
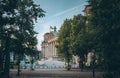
{"x": 56, "y": 12}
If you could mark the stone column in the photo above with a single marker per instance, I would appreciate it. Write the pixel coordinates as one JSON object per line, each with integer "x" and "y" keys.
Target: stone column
{"x": 42, "y": 50}
{"x": 55, "y": 50}
{"x": 54, "y": 47}
{"x": 51, "y": 48}
{"x": 45, "y": 51}
{"x": 48, "y": 52}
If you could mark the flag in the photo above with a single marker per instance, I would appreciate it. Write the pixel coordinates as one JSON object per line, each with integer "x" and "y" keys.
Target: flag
{"x": 51, "y": 27}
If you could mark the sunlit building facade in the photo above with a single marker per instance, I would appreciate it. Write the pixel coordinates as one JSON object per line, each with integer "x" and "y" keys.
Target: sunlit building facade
{"x": 48, "y": 46}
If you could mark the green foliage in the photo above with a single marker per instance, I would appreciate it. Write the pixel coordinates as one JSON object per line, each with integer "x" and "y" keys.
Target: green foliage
{"x": 105, "y": 19}
{"x": 79, "y": 38}
{"x": 74, "y": 39}
{"x": 16, "y": 29}
{"x": 77, "y": 33}
{"x": 64, "y": 41}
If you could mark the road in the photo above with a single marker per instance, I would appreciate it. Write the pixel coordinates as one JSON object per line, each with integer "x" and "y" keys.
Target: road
{"x": 53, "y": 73}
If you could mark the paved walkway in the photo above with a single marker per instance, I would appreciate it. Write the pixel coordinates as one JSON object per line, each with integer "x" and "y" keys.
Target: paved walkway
{"x": 53, "y": 73}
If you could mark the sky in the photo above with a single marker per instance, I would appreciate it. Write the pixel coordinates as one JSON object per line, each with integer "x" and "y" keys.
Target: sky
{"x": 56, "y": 12}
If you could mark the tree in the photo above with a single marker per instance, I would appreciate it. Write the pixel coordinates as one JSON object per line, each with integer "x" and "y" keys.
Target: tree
{"x": 26, "y": 35}
{"x": 17, "y": 20}
{"x": 6, "y": 17}
{"x": 105, "y": 19}
{"x": 63, "y": 46}
{"x": 79, "y": 38}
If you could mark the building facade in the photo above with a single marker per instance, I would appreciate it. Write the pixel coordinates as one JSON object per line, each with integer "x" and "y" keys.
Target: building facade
{"x": 87, "y": 10}
{"x": 48, "y": 46}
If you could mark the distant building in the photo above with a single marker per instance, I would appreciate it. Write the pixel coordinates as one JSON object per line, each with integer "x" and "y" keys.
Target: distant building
{"x": 87, "y": 10}
{"x": 48, "y": 46}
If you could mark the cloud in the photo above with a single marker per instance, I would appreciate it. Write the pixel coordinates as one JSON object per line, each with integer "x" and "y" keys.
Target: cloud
{"x": 68, "y": 10}
{"x": 40, "y": 39}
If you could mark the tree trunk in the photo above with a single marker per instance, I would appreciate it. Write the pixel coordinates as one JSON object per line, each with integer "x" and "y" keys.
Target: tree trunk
{"x": 93, "y": 75}
{"x": 18, "y": 73}
{"x": 82, "y": 66}
{"x": 32, "y": 61}
{"x": 7, "y": 65}
{"x": 79, "y": 64}
{"x": 68, "y": 66}
{"x": 0, "y": 64}
{"x": 1, "y": 54}
{"x": 7, "y": 58}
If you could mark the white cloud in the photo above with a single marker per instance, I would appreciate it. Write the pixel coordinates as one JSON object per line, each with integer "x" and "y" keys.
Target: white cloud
{"x": 40, "y": 39}
{"x": 69, "y": 10}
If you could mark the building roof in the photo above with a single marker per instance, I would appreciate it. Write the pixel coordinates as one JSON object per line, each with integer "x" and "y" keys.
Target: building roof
{"x": 55, "y": 33}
